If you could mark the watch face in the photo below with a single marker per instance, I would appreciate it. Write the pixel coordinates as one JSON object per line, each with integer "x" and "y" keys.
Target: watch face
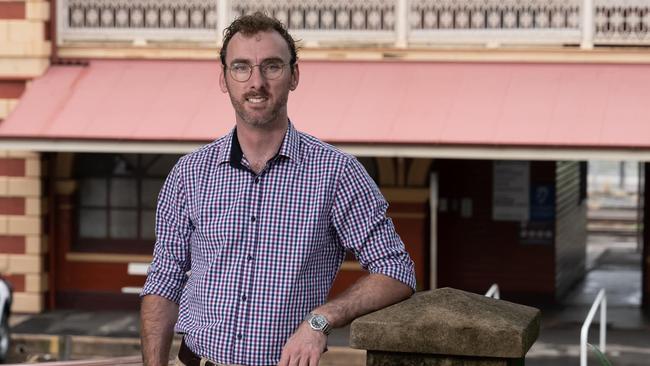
{"x": 318, "y": 322}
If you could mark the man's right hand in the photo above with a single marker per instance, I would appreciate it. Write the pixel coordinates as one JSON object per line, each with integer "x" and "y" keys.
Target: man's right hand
{"x": 157, "y": 316}
{"x": 304, "y": 348}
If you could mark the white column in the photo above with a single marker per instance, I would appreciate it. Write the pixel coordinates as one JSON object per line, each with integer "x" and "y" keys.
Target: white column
{"x": 588, "y": 26}
{"x": 223, "y": 18}
{"x": 401, "y": 23}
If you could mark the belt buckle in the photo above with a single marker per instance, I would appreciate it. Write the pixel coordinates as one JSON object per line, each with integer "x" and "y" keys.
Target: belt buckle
{"x": 205, "y": 362}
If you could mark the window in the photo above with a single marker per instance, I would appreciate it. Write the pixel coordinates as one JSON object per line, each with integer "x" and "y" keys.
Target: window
{"x": 116, "y": 200}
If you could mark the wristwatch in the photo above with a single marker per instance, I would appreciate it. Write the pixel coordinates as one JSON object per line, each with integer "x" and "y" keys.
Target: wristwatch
{"x": 318, "y": 323}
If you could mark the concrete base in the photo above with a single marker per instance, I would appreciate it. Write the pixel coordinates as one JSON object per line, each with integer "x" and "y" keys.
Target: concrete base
{"x": 378, "y": 358}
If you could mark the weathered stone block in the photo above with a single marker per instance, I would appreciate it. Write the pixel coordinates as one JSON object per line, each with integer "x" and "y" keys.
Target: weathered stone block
{"x": 449, "y": 322}
{"x": 377, "y": 358}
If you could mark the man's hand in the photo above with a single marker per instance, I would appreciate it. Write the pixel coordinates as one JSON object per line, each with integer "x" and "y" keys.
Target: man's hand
{"x": 304, "y": 348}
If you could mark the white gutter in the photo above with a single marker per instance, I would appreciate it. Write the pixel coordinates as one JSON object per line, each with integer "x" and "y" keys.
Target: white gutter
{"x": 375, "y": 150}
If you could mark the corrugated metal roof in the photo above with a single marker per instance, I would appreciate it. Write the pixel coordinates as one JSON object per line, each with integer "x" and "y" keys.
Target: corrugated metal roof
{"x": 396, "y": 103}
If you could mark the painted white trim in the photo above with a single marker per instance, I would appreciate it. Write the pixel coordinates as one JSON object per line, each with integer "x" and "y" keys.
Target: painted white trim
{"x": 374, "y": 150}
{"x": 131, "y": 290}
{"x": 137, "y": 269}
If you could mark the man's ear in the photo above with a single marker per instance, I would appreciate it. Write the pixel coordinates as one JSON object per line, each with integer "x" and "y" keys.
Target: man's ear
{"x": 222, "y": 81}
{"x": 295, "y": 77}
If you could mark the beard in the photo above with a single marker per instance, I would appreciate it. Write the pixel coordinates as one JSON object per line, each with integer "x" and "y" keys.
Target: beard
{"x": 258, "y": 117}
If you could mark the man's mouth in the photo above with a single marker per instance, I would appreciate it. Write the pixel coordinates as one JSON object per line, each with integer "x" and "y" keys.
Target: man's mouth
{"x": 256, "y": 99}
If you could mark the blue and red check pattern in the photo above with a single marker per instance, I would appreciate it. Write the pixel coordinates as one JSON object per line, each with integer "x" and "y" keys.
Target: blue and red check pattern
{"x": 263, "y": 250}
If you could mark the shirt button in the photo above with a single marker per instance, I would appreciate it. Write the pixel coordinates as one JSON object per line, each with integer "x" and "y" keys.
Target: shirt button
{"x": 250, "y": 257}
{"x": 257, "y": 179}
{"x": 239, "y": 336}
{"x": 253, "y": 218}
{"x": 243, "y": 298}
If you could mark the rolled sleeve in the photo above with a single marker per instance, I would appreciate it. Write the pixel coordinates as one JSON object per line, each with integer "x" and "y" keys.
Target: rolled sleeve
{"x": 359, "y": 218}
{"x": 171, "y": 259}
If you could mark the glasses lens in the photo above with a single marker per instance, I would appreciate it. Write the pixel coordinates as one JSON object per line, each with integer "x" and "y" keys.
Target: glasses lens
{"x": 241, "y": 71}
{"x": 272, "y": 70}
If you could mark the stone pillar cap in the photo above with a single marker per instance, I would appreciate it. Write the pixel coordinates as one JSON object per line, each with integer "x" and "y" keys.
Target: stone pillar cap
{"x": 447, "y": 321}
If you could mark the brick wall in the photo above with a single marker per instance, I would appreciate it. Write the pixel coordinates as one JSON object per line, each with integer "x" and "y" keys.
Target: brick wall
{"x": 476, "y": 251}
{"x": 21, "y": 229}
{"x": 24, "y": 54}
{"x": 24, "y": 48}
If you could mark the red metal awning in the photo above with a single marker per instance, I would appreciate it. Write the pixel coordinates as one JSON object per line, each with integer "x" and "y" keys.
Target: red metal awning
{"x": 347, "y": 102}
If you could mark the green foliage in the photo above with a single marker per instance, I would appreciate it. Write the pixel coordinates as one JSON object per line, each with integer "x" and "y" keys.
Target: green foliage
{"x": 601, "y": 357}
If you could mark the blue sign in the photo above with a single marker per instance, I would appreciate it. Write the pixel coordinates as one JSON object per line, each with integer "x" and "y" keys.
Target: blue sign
{"x": 542, "y": 202}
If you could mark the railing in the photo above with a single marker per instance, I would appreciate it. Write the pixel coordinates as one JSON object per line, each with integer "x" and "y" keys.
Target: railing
{"x": 493, "y": 292}
{"x": 392, "y": 23}
{"x": 600, "y": 301}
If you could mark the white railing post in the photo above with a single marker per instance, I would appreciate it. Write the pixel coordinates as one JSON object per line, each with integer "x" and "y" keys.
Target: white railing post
{"x": 223, "y": 18}
{"x": 493, "y": 292}
{"x": 61, "y": 20}
{"x": 588, "y": 24}
{"x": 401, "y": 23}
{"x": 601, "y": 300}
{"x": 603, "y": 322}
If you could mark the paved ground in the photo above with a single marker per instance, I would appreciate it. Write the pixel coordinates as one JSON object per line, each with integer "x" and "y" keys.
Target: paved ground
{"x": 615, "y": 266}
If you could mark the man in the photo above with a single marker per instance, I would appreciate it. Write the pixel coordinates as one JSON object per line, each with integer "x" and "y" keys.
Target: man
{"x": 261, "y": 219}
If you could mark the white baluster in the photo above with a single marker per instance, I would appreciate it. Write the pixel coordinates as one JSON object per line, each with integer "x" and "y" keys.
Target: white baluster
{"x": 587, "y": 25}
{"x": 401, "y": 23}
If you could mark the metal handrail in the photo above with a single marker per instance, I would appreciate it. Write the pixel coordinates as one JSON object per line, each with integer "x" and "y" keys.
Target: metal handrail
{"x": 493, "y": 292}
{"x": 600, "y": 301}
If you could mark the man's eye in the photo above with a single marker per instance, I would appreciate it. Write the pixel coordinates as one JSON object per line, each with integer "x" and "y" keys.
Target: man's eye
{"x": 239, "y": 67}
{"x": 273, "y": 67}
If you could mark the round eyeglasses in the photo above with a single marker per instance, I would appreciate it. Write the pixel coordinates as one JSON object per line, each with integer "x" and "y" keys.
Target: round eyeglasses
{"x": 241, "y": 71}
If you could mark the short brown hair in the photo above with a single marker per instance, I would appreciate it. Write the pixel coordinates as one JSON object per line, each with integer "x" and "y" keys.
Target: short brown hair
{"x": 251, "y": 24}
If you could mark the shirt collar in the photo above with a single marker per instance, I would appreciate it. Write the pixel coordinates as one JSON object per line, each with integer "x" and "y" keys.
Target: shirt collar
{"x": 233, "y": 154}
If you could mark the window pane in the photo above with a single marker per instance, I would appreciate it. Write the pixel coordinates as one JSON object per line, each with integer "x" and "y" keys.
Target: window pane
{"x": 92, "y": 223}
{"x": 147, "y": 224}
{"x": 162, "y": 165}
{"x": 150, "y": 190}
{"x": 93, "y": 192}
{"x": 124, "y": 224}
{"x": 124, "y": 192}
{"x": 94, "y": 165}
{"x": 125, "y": 164}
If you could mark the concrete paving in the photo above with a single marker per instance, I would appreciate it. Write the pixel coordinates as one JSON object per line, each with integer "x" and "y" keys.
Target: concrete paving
{"x": 614, "y": 265}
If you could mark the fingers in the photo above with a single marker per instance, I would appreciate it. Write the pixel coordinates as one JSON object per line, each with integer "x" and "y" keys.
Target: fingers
{"x": 313, "y": 361}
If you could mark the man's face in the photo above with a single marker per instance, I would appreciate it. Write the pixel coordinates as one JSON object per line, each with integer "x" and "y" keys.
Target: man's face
{"x": 259, "y": 102}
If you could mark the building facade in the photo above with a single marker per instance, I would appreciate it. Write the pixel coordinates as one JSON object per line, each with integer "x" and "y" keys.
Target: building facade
{"x": 473, "y": 117}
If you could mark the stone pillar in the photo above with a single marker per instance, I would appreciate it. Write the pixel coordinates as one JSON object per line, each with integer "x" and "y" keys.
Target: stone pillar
{"x": 447, "y": 327}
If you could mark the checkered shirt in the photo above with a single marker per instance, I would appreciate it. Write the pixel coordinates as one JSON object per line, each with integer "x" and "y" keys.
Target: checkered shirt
{"x": 246, "y": 256}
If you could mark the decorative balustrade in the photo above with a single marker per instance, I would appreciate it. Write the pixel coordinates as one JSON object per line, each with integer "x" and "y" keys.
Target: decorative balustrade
{"x": 495, "y": 21}
{"x": 365, "y": 22}
{"x": 622, "y": 22}
{"x": 138, "y": 21}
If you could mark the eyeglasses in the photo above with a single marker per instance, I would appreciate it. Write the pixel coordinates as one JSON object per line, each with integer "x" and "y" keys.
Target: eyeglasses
{"x": 241, "y": 71}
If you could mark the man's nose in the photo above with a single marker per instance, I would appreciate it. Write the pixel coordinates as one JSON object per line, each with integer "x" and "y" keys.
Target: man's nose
{"x": 257, "y": 79}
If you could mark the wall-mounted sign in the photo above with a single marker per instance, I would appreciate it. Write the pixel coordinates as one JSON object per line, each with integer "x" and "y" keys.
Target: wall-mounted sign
{"x": 511, "y": 191}
{"x": 542, "y": 202}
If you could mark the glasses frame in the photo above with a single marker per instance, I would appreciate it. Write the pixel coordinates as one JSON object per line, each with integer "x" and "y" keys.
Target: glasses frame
{"x": 260, "y": 67}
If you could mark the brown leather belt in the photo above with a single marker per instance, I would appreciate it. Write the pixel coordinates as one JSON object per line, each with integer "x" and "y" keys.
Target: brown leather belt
{"x": 189, "y": 358}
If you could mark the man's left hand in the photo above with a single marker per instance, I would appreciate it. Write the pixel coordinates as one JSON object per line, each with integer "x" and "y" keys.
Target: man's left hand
{"x": 304, "y": 348}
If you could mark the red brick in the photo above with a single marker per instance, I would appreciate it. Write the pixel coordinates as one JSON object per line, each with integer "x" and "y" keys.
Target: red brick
{"x": 17, "y": 282}
{"x": 12, "y": 206}
{"x": 48, "y": 30}
{"x": 11, "y": 89}
{"x": 12, "y": 244}
{"x": 12, "y": 10}
{"x": 12, "y": 167}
